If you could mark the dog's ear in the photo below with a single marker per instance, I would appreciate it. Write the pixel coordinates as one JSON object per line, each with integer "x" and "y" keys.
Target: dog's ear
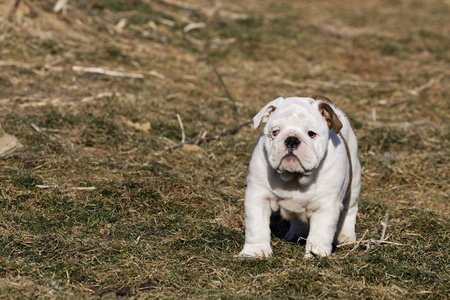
{"x": 323, "y": 98}
{"x": 265, "y": 112}
{"x": 330, "y": 116}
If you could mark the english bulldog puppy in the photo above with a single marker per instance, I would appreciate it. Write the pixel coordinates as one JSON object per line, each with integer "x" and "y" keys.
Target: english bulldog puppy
{"x": 305, "y": 165}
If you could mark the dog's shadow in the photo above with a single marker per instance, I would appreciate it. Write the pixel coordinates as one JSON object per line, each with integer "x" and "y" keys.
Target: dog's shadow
{"x": 279, "y": 227}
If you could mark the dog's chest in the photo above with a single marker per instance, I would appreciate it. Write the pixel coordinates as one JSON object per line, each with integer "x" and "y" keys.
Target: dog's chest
{"x": 294, "y": 200}
{"x": 292, "y": 205}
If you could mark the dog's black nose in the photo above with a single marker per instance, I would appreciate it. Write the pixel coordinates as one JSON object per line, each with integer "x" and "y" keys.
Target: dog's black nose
{"x": 292, "y": 142}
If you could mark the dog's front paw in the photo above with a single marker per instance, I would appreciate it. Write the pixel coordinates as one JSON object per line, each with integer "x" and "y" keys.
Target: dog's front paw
{"x": 317, "y": 249}
{"x": 256, "y": 250}
{"x": 344, "y": 238}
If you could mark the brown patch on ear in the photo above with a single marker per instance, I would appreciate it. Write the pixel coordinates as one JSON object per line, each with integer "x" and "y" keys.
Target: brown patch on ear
{"x": 323, "y": 98}
{"x": 331, "y": 118}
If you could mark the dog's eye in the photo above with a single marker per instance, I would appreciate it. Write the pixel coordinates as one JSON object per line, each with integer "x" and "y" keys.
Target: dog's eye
{"x": 275, "y": 132}
{"x": 311, "y": 134}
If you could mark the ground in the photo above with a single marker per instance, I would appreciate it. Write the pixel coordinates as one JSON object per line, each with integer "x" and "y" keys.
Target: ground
{"x": 96, "y": 205}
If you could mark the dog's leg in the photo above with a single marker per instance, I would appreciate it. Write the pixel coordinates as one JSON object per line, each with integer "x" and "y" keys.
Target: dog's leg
{"x": 346, "y": 227}
{"x": 257, "y": 224}
{"x": 322, "y": 230}
{"x": 347, "y": 232}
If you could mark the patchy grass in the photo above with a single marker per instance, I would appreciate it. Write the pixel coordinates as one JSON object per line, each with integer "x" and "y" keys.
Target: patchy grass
{"x": 94, "y": 206}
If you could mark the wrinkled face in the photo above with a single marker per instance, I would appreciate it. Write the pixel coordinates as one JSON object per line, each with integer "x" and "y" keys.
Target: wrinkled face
{"x": 296, "y": 137}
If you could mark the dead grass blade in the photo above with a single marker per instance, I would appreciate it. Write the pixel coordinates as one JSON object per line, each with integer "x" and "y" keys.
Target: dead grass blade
{"x": 208, "y": 114}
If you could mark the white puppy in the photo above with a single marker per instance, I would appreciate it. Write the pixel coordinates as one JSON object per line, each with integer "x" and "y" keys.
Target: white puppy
{"x": 305, "y": 164}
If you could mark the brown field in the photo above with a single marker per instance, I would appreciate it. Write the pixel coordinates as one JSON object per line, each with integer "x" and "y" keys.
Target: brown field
{"x": 95, "y": 205}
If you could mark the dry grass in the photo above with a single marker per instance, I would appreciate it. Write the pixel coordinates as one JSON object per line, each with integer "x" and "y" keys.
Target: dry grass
{"x": 95, "y": 206}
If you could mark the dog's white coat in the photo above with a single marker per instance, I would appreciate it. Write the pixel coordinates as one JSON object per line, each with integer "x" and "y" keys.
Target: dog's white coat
{"x": 307, "y": 184}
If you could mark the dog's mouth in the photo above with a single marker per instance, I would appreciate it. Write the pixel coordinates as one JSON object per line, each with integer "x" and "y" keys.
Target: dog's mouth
{"x": 289, "y": 162}
{"x": 292, "y": 164}
{"x": 290, "y": 156}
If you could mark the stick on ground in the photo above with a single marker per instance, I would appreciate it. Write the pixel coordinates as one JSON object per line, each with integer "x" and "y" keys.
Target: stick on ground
{"x": 383, "y": 233}
{"x": 59, "y": 5}
{"x": 13, "y": 10}
{"x": 235, "y": 112}
{"x": 210, "y": 138}
{"x": 106, "y": 72}
{"x": 357, "y": 244}
{"x": 183, "y": 136}
{"x": 427, "y": 85}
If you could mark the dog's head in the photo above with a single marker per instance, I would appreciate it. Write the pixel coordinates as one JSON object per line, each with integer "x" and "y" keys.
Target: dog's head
{"x": 297, "y": 131}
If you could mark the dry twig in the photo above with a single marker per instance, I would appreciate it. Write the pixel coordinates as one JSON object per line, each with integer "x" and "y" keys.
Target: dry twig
{"x": 106, "y": 72}
{"x": 59, "y": 5}
{"x": 357, "y": 244}
{"x": 13, "y": 10}
{"x": 183, "y": 136}
{"x": 210, "y": 138}
{"x": 180, "y": 4}
{"x": 427, "y": 85}
{"x": 370, "y": 242}
{"x": 6, "y": 63}
{"x": 235, "y": 112}
{"x": 333, "y": 84}
{"x": 217, "y": 135}
{"x": 75, "y": 188}
{"x": 193, "y": 26}
{"x": 383, "y": 233}
{"x": 84, "y": 188}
